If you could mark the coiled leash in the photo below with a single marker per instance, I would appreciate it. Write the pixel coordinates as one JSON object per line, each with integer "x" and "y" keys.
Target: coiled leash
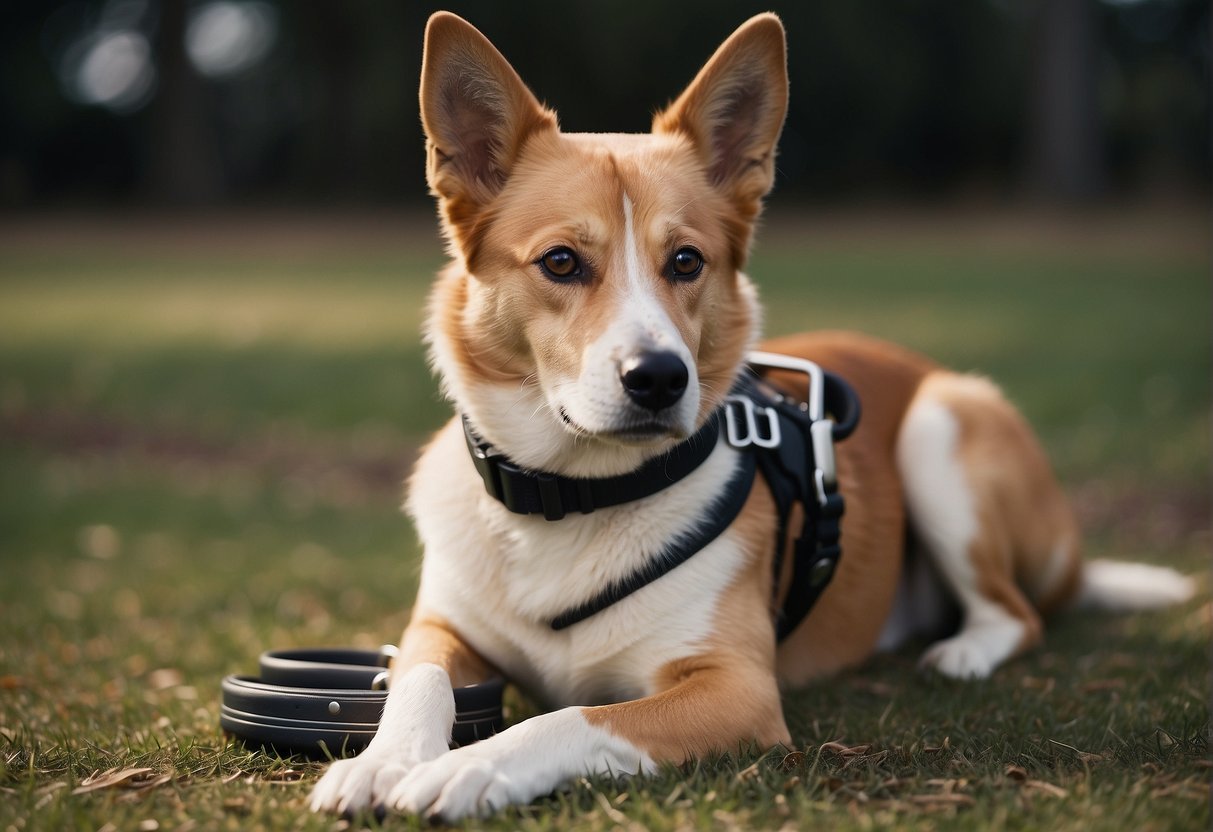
{"x": 327, "y": 702}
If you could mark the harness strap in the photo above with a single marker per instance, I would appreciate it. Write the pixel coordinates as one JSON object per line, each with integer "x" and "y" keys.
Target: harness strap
{"x": 793, "y": 472}
{"x": 721, "y": 514}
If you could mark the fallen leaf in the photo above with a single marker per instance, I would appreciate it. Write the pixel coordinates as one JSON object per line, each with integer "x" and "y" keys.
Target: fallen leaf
{"x": 164, "y": 677}
{"x": 286, "y": 775}
{"x": 1044, "y": 684}
{"x": 614, "y": 814}
{"x": 844, "y": 750}
{"x": 126, "y": 778}
{"x": 1047, "y": 788}
{"x": 748, "y": 773}
{"x": 1016, "y": 773}
{"x": 792, "y": 761}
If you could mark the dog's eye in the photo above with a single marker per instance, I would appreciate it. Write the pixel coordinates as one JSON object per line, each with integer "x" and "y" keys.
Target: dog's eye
{"x": 560, "y": 264}
{"x": 686, "y": 264}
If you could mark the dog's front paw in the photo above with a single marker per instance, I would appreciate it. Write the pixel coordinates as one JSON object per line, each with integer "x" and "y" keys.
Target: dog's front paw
{"x": 359, "y": 783}
{"x": 522, "y": 763}
{"x": 414, "y": 729}
{"x": 462, "y": 784}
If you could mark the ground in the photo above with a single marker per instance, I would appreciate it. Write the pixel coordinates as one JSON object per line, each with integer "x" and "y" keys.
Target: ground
{"x": 204, "y": 423}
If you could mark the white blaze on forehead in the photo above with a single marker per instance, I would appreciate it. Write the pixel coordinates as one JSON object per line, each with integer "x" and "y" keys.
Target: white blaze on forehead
{"x": 631, "y": 254}
{"x": 641, "y": 309}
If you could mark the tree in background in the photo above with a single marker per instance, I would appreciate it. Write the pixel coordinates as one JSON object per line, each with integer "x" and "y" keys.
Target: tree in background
{"x": 237, "y": 100}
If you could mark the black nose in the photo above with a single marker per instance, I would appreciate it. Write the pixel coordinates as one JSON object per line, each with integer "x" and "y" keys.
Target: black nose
{"x": 654, "y": 380}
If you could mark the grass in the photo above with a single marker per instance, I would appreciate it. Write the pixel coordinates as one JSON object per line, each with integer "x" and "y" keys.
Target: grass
{"x": 200, "y": 451}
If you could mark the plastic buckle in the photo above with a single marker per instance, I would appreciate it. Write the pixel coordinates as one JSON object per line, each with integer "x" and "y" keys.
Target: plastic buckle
{"x": 549, "y": 497}
{"x": 826, "y": 475}
{"x": 752, "y": 434}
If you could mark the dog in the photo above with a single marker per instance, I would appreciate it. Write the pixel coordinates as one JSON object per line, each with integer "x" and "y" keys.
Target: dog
{"x": 592, "y": 321}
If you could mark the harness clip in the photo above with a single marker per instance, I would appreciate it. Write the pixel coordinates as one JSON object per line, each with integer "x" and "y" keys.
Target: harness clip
{"x": 752, "y": 435}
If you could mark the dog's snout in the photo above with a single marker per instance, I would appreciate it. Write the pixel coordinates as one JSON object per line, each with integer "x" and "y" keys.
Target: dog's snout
{"x": 654, "y": 380}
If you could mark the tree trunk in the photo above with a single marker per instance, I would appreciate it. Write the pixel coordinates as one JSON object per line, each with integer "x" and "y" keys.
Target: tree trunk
{"x": 184, "y": 164}
{"x": 1065, "y": 147}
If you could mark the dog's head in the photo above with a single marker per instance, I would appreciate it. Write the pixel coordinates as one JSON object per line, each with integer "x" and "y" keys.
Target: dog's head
{"x": 595, "y": 312}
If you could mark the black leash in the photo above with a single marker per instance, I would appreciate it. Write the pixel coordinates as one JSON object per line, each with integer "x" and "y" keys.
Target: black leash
{"x": 328, "y": 702}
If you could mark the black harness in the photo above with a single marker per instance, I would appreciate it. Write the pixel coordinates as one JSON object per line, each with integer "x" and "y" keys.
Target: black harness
{"x": 322, "y": 702}
{"x": 789, "y": 439}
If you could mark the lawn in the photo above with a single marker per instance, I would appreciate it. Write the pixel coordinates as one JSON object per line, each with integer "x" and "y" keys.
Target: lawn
{"x": 204, "y": 424}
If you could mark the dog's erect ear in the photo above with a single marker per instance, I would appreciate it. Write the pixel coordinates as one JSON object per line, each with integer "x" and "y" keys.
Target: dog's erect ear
{"x": 733, "y": 111}
{"x": 477, "y": 115}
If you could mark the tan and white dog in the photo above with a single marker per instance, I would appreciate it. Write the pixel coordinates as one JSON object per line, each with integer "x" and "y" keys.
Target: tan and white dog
{"x": 576, "y": 259}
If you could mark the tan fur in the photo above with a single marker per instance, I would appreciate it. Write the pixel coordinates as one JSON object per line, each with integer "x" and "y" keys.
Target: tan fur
{"x": 430, "y": 638}
{"x": 511, "y": 186}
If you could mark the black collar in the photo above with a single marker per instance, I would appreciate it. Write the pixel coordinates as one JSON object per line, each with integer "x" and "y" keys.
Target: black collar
{"x": 554, "y": 496}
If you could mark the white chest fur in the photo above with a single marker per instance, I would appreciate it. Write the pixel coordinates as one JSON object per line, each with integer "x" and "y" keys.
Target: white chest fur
{"x": 499, "y": 578}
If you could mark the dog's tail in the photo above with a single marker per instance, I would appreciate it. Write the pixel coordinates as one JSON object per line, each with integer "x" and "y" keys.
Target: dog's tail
{"x": 1127, "y": 587}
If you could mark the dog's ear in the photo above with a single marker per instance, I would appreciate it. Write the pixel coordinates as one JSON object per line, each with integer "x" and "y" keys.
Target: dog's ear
{"x": 733, "y": 111}
{"x": 477, "y": 114}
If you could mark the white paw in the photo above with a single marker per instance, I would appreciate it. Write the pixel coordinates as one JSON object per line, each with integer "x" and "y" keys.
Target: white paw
{"x": 356, "y": 784}
{"x": 458, "y": 785}
{"x": 959, "y": 657}
{"x": 527, "y": 761}
{"x": 414, "y": 729}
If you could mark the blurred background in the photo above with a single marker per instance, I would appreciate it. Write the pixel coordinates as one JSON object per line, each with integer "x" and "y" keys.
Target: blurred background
{"x": 233, "y": 102}
{"x": 216, "y": 244}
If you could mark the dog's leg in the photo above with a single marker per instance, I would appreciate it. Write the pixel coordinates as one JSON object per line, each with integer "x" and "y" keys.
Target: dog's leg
{"x": 706, "y": 708}
{"x": 417, "y": 717}
{"x": 984, "y": 503}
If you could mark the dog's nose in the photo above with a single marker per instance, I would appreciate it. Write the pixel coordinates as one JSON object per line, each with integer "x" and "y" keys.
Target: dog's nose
{"x": 654, "y": 380}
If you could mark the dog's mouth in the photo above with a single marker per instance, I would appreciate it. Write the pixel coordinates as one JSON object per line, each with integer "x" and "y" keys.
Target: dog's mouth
{"x": 630, "y": 433}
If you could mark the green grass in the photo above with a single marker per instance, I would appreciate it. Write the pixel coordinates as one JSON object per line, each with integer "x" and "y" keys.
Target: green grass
{"x": 200, "y": 455}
